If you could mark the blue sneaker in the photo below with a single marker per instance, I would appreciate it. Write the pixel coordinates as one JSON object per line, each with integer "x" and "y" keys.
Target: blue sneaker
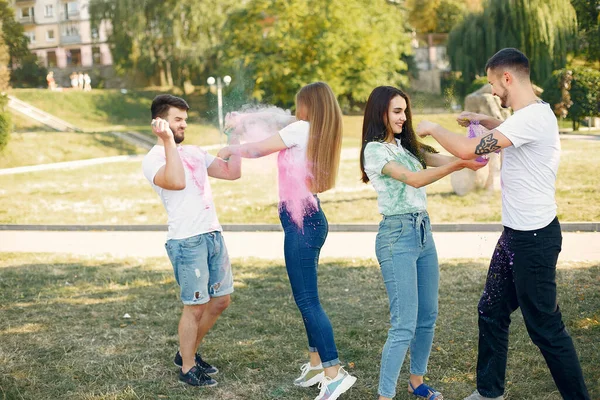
{"x": 331, "y": 389}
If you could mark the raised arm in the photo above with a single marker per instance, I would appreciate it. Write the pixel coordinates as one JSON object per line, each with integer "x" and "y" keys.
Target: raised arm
{"x": 254, "y": 149}
{"x": 425, "y": 177}
{"x": 170, "y": 176}
{"x": 462, "y": 146}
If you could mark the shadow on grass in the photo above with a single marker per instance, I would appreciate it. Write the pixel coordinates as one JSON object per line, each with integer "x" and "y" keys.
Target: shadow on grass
{"x": 63, "y": 335}
{"x": 122, "y": 146}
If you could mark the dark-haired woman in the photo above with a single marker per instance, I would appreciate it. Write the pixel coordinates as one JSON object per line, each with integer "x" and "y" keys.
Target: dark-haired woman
{"x": 394, "y": 161}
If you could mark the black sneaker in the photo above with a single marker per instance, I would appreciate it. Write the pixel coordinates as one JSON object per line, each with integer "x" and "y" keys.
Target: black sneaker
{"x": 206, "y": 367}
{"x": 196, "y": 377}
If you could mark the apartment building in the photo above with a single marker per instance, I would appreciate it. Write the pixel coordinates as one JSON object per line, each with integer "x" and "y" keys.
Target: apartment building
{"x": 61, "y": 34}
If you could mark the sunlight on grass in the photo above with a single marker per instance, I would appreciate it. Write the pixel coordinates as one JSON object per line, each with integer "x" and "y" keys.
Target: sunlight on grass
{"x": 27, "y": 328}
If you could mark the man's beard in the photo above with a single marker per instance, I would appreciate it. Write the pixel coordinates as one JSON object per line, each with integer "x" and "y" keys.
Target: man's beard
{"x": 178, "y": 137}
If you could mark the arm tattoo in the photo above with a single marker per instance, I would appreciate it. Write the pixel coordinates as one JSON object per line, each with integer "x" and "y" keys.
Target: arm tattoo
{"x": 487, "y": 145}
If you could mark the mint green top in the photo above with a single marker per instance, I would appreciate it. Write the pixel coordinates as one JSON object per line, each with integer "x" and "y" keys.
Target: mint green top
{"x": 393, "y": 197}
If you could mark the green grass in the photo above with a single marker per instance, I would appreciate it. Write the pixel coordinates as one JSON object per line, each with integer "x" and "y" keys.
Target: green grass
{"x": 63, "y": 335}
{"x": 119, "y": 194}
{"x": 38, "y": 147}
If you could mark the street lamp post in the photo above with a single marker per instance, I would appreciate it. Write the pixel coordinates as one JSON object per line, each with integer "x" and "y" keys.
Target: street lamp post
{"x": 219, "y": 85}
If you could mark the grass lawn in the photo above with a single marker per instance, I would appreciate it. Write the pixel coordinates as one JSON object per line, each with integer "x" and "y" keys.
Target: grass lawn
{"x": 63, "y": 335}
{"x": 39, "y": 147}
{"x": 119, "y": 194}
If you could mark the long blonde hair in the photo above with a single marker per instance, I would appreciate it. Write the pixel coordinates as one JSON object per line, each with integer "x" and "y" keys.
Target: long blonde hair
{"x": 325, "y": 135}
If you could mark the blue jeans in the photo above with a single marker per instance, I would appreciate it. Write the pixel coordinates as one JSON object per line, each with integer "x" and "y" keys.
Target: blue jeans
{"x": 409, "y": 265}
{"x": 301, "y": 249}
{"x": 201, "y": 267}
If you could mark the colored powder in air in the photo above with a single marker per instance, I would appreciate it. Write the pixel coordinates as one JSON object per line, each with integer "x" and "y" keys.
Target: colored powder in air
{"x": 256, "y": 123}
{"x": 253, "y": 124}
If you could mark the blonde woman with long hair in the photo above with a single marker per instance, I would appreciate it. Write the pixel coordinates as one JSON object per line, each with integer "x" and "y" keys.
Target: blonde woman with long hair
{"x": 309, "y": 154}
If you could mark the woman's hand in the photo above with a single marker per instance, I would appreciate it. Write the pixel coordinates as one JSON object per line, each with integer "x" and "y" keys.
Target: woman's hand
{"x": 425, "y": 128}
{"x": 474, "y": 164}
{"x": 225, "y": 153}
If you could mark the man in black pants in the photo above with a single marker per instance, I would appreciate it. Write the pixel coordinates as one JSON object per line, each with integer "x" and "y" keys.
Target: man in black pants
{"x": 523, "y": 268}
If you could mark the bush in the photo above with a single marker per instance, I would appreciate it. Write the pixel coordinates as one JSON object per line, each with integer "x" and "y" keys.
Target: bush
{"x": 574, "y": 93}
{"x": 5, "y": 122}
{"x": 477, "y": 84}
{"x": 30, "y": 73}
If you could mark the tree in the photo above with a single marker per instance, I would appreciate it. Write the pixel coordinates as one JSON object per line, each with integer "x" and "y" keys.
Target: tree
{"x": 12, "y": 34}
{"x": 4, "y": 78}
{"x": 169, "y": 41}
{"x": 588, "y": 21}
{"x": 574, "y": 93}
{"x": 438, "y": 16}
{"x": 353, "y": 45}
{"x": 543, "y": 29}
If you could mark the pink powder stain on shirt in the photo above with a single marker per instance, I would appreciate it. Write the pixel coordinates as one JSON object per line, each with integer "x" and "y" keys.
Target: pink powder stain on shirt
{"x": 294, "y": 194}
{"x": 193, "y": 160}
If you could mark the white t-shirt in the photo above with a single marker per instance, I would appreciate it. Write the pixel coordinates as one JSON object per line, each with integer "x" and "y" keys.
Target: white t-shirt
{"x": 291, "y": 162}
{"x": 529, "y": 168}
{"x": 190, "y": 211}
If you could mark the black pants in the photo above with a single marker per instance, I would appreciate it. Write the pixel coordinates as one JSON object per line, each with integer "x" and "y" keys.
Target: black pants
{"x": 523, "y": 274}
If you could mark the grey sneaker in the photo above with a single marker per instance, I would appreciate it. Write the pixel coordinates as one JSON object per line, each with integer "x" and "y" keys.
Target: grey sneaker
{"x": 476, "y": 396}
{"x": 310, "y": 375}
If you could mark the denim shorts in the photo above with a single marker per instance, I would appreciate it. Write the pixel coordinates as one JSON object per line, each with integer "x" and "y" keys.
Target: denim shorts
{"x": 201, "y": 266}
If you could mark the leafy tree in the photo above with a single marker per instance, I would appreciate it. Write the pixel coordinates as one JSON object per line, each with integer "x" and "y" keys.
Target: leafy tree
{"x": 4, "y": 62}
{"x": 574, "y": 93}
{"x": 438, "y": 16}
{"x": 4, "y": 78}
{"x": 588, "y": 21}
{"x": 543, "y": 29}
{"x": 353, "y": 45}
{"x": 169, "y": 41}
{"x": 30, "y": 72}
{"x": 12, "y": 33}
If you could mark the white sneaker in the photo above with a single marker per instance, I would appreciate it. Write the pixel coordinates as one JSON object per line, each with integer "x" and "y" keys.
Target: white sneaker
{"x": 476, "y": 396}
{"x": 310, "y": 375}
{"x": 331, "y": 389}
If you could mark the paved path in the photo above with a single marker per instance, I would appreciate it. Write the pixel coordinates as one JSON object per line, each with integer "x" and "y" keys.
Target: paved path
{"x": 269, "y": 245}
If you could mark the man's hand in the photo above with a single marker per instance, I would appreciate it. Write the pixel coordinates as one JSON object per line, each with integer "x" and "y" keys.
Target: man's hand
{"x": 425, "y": 128}
{"x": 466, "y": 117}
{"x": 160, "y": 128}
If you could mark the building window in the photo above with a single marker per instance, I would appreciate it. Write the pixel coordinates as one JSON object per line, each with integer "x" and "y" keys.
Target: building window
{"x": 70, "y": 30}
{"x": 49, "y": 10}
{"x": 71, "y": 9}
{"x": 27, "y": 12}
{"x": 50, "y": 35}
{"x": 31, "y": 36}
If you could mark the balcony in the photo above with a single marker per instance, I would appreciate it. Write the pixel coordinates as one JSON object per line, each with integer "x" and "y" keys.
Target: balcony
{"x": 71, "y": 16}
{"x": 27, "y": 20}
{"x": 70, "y": 39}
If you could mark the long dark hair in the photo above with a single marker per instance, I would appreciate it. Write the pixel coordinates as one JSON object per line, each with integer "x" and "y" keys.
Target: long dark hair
{"x": 375, "y": 129}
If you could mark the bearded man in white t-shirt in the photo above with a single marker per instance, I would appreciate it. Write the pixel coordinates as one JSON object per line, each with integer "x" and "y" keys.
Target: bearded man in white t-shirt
{"x": 179, "y": 175}
{"x": 522, "y": 271}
